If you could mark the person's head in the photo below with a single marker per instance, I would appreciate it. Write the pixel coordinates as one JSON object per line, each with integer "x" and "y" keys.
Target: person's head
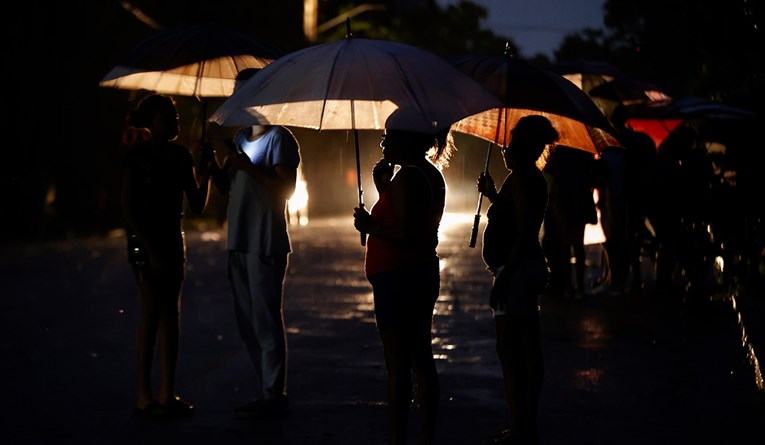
{"x": 156, "y": 113}
{"x": 530, "y": 139}
{"x": 402, "y": 146}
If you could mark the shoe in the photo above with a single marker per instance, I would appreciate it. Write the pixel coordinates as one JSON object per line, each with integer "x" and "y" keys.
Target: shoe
{"x": 153, "y": 410}
{"x": 276, "y": 407}
{"x": 176, "y": 407}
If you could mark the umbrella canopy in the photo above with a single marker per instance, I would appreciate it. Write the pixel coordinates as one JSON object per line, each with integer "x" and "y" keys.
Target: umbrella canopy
{"x": 587, "y": 74}
{"x": 628, "y": 91}
{"x": 661, "y": 118}
{"x": 607, "y": 85}
{"x": 525, "y": 89}
{"x": 356, "y": 84}
{"x": 198, "y": 61}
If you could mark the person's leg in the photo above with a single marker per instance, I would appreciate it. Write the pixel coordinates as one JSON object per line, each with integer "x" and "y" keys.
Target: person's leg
{"x": 243, "y": 310}
{"x": 146, "y": 337}
{"x": 169, "y": 333}
{"x": 534, "y": 360}
{"x": 391, "y": 318}
{"x": 509, "y": 352}
{"x": 397, "y": 365}
{"x": 266, "y": 277}
{"x": 423, "y": 363}
{"x": 577, "y": 246}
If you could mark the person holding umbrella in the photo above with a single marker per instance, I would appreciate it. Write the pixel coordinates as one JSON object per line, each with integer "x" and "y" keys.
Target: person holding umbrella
{"x": 402, "y": 266}
{"x": 259, "y": 176}
{"x": 513, "y": 254}
{"x": 156, "y": 175}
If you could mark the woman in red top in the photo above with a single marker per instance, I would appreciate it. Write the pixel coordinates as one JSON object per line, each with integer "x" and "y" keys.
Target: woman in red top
{"x": 402, "y": 266}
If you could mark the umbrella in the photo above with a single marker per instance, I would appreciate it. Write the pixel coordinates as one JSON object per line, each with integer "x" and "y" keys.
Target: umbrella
{"x": 608, "y": 85}
{"x": 196, "y": 61}
{"x": 356, "y": 84}
{"x": 628, "y": 91}
{"x": 661, "y": 118}
{"x": 587, "y": 74}
{"x": 525, "y": 89}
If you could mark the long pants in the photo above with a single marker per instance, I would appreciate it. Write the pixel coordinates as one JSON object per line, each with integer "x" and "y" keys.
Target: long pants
{"x": 257, "y": 282}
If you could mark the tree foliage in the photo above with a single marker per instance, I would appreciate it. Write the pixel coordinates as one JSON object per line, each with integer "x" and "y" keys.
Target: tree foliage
{"x": 453, "y": 30}
{"x": 706, "y": 48}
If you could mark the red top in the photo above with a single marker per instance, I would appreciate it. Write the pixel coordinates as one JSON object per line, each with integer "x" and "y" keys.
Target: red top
{"x": 382, "y": 255}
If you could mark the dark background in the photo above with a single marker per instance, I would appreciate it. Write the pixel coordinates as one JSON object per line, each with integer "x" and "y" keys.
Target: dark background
{"x": 61, "y": 175}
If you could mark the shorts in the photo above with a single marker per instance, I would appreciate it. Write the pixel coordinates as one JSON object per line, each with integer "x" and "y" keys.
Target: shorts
{"x": 519, "y": 296}
{"x": 405, "y": 297}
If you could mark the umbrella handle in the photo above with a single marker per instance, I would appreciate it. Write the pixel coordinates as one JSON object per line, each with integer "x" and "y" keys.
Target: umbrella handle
{"x": 474, "y": 232}
{"x": 477, "y": 218}
{"x": 358, "y": 177}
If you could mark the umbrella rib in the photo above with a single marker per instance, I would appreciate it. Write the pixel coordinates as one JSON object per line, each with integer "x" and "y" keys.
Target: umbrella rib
{"x": 341, "y": 48}
{"x": 408, "y": 85}
{"x": 198, "y": 81}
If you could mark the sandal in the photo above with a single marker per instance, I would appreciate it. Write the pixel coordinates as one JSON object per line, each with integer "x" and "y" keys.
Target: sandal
{"x": 152, "y": 410}
{"x": 176, "y": 407}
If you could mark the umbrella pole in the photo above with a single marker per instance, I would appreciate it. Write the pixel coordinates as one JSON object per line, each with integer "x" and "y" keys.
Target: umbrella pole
{"x": 207, "y": 152}
{"x": 358, "y": 176}
{"x": 204, "y": 120}
{"x": 477, "y": 218}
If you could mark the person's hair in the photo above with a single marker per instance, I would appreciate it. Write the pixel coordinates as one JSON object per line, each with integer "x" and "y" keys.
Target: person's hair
{"x": 534, "y": 134}
{"x": 443, "y": 147}
{"x": 437, "y": 147}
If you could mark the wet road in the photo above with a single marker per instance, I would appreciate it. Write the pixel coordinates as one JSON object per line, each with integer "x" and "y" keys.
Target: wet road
{"x": 632, "y": 370}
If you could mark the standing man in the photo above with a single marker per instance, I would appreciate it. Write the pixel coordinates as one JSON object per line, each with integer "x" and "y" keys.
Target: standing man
{"x": 259, "y": 176}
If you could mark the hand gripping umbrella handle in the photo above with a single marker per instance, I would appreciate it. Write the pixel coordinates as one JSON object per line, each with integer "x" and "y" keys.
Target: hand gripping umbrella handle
{"x": 477, "y": 218}
{"x": 474, "y": 232}
{"x": 358, "y": 177}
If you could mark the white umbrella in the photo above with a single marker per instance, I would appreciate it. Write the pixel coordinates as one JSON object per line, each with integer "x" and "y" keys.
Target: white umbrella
{"x": 195, "y": 61}
{"x": 356, "y": 84}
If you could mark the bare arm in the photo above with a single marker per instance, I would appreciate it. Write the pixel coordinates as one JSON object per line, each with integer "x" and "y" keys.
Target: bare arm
{"x": 196, "y": 184}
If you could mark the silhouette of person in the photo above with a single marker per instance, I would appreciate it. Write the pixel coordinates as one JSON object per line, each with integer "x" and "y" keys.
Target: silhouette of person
{"x": 683, "y": 199}
{"x": 514, "y": 255}
{"x": 571, "y": 207}
{"x": 402, "y": 266}
{"x": 259, "y": 175}
{"x": 157, "y": 173}
{"x": 640, "y": 188}
{"x": 610, "y": 172}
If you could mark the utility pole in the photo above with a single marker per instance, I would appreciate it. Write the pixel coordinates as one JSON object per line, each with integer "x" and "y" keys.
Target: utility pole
{"x": 311, "y": 28}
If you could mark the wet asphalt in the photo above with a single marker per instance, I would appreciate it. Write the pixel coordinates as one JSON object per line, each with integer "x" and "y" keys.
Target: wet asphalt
{"x": 638, "y": 369}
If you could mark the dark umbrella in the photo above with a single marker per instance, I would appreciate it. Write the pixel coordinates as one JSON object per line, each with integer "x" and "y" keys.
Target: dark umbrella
{"x": 196, "y": 61}
{"x": 525, "y": 89}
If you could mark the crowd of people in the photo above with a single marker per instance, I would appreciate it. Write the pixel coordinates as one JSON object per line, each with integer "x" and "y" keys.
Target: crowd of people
{"x": 652, "y": 203}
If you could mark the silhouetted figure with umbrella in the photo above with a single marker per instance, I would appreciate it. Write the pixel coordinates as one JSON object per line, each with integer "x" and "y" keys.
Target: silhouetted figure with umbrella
{"x": 157, "y": 174}
{"x": 513, "y": 254}
{"x": 402, "y": 266}
{"x": 259, "y": 176}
